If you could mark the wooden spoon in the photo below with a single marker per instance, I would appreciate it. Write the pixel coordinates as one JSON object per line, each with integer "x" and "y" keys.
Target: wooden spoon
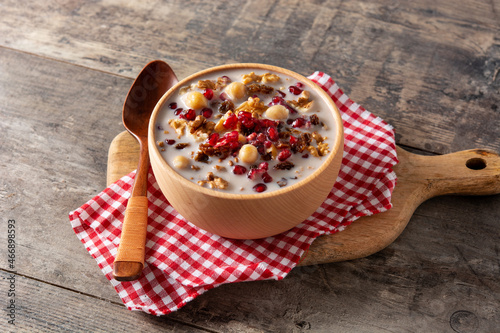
{"x": 153, "y": 81}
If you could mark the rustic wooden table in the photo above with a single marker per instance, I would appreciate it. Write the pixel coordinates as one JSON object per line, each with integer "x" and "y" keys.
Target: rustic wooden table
{"x": 430, "y": 68}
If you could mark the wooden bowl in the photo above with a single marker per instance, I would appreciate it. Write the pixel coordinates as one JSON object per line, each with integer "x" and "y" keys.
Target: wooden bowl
{"x": 248, "y": 216}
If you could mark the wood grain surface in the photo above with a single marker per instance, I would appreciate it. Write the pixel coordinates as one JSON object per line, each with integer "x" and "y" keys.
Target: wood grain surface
{"x": 472, "y": 172}
{"x": 430, "y": 68}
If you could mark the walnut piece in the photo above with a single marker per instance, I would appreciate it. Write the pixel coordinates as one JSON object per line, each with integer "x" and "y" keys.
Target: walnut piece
{"x": 323, "y": 148}
{"x": 253, "y": 105}
{"x": 179, "y": 125}
{"x": 206, "y": 84}
{"x": 214, "y": 182}
{"x": 264, "y": 78}
{"x": 303, "y": 104}
{"x": 314, "y": 152}
{"x": 316, "y": 136}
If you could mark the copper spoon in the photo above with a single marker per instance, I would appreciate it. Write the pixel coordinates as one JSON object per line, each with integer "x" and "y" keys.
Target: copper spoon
{"x": 153, "y": 81}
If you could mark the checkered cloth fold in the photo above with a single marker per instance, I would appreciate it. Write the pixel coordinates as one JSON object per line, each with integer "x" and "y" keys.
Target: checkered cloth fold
{"x": 183, "y": 261}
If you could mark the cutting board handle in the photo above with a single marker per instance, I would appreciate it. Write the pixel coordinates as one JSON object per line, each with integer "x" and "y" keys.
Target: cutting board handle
{"x": 468, "y": 172}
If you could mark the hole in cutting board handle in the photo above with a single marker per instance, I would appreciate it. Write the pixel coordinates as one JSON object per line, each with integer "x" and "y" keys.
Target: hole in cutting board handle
{"x": 475, "y": 163}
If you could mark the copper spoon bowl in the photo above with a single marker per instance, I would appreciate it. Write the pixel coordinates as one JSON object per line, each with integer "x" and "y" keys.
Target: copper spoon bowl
{"x": 153, "y": 81}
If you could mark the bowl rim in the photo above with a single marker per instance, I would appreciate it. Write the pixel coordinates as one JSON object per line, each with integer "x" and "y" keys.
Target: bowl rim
{"x": 338, "y": 143}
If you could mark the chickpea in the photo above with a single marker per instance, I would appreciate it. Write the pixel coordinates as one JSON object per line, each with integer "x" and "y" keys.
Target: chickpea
{"x": 277, "y": 112}
{"x": 180, "y": 162}
{"x": 236, "y": 90}
{"x": 196, "y": 100}
{"x": 248, "y": 154}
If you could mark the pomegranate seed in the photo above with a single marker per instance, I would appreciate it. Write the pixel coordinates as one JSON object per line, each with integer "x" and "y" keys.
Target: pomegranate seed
{"x": 264, "y": 166}
{"x": 223, "y": 97}
{"x": 281, "y": 93}
{"x": 277, "y": 100}
{"x": 173, "y": 105}
{"x": 261, "y": 149}
{"x": 232, "y": 136}
{"x": 299, "y": 85}
{"x": 178, "y": 111}
{"x": 299, "y": 122}
{"x": 239, "y": 170}
{"x": 230, "y": 121}
{"x": 190, "y": 114}
{"x": 268, "y": 144}
{"x": 295, "y": 90}
{"x": 261, "y": 137}
{"x": 293, "y": 140}
{"x": 284, "y": 154}
{"x": 272, "y": 134}
{"x": 223, "y": 142}
{"x": 208, "y": 93}
{"x": 213, "y": 138}
{"x": 266, "y": 178}
{"x": 244, "y": 115}
{"x": 248, "y": 123}
{"x": 252, "y": 174}
{"x": 206, "y": 112}
{"x": 234, "y": 145}
{"x": 260, "y": 187}
{"x": 169, "y": 142}
{"x": 252, "y": 136}
{"x": 267, "y": 123}
{"x": 305, "y": 156}
{"x": 226, "y": 79}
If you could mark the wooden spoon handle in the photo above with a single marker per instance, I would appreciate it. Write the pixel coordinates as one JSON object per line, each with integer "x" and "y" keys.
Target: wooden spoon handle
{"x": 130, "y": 257}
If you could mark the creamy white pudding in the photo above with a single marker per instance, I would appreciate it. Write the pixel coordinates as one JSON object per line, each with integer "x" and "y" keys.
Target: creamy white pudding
{"x": 244, "y": 132}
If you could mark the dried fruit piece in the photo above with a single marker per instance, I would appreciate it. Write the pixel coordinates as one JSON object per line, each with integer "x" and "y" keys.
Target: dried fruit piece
{"x": 295, "y": 90}
{"x": 287, "y": 165}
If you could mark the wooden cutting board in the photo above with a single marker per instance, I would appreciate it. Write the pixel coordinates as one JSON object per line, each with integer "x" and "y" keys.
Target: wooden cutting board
{"x": 470, "y": 172}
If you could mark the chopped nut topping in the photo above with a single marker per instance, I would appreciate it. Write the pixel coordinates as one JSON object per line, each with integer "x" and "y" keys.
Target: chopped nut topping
{"x": 316, "y": 136}
{"x": 313, "y": 151}
{"x": 264, "y": 78}
{"x": 185, "y": 89}
{"x": 254, "y": 106}
{"x": 206, "y": 84}
{"x": 161, "y": 143}
{"x": 214, "y": 182}
{"x": 255, "y": 88}
{"x": 220, "y": 168}
{"x": 181, "y": 145}
{"x": 179, "y": 125}
{"x": 197, "y": 123}
{"x": 302, "y": 105}
{"x": 323, "y": 148}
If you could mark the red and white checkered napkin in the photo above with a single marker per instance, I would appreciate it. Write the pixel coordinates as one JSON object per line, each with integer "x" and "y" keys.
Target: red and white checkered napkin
{"x": 182, "y": 261}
